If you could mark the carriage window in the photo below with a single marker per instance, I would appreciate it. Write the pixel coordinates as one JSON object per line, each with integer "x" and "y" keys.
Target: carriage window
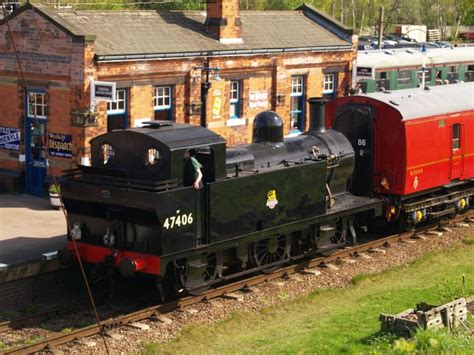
{"x": 456, "y": 136}
{"x": 404, "y": 77}
{"x": 152, "y": 157}
{"x": 106, "y": 153}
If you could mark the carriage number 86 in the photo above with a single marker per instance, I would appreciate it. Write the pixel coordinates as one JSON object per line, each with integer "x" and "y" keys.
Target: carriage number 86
{"x": 178, "y": 220}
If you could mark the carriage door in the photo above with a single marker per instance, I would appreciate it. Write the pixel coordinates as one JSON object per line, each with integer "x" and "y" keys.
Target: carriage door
{"x": 456, "y": 151}
{"x": 355, "y": 122}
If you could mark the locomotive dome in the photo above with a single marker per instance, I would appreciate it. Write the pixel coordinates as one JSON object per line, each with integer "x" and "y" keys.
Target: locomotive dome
{"x": 267, "y": 128}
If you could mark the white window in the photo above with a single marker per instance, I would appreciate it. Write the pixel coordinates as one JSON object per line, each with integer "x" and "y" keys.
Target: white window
{"x": 37, "y": 105}
{"x": 297, "y": 86}
{"x": 328, "y": 83}
{"x": 297, "y": 104}
{"x": 234, "y": 99}
{"x": 162, "y": 98}
{"x": 117, "y": 106}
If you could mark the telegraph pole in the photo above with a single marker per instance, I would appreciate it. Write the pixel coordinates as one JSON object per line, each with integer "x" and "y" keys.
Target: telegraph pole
{"x": 380, "y": 27}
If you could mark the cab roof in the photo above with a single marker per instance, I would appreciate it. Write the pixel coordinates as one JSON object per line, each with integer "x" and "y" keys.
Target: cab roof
{"x": 178, "y": 135}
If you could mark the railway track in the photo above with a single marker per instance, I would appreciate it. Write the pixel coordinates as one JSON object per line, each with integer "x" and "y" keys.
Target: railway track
{"x": 156, "y": 310}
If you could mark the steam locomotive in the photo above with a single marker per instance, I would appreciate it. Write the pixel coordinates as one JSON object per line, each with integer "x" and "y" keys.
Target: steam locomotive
{"x": 262, "y": 205}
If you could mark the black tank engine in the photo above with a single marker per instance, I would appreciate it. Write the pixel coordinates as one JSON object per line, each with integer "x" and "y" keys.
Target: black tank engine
{"x": 262, "y": 204}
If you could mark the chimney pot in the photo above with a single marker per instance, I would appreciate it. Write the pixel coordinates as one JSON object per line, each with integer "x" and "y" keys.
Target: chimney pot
{"x": 223, "y": 20}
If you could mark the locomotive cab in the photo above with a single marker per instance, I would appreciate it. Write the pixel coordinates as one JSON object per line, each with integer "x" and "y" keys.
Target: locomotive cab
{"x": 154, "y": 153}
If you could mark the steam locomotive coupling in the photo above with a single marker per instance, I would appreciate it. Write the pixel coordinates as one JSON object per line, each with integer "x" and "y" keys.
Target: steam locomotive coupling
{"x": 403, "y": 157}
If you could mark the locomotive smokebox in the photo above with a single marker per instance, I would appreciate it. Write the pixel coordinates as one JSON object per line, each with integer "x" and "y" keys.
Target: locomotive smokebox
{"x": 267, "y": 128}
{"x": 317, "y": 114}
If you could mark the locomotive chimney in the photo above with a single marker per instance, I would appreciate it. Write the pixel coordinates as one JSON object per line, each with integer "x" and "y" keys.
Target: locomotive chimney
{"x": 317, "y": 114}
{"x": 223, "y": 20}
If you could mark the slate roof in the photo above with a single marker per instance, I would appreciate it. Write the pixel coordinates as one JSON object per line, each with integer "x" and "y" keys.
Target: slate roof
{"x": 169, "y": 33}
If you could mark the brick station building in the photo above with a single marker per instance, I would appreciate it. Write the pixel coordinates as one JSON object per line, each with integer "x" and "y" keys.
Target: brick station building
{"x": 216, "y": 68}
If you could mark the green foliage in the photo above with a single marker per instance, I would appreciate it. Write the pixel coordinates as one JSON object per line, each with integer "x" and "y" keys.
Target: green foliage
{"x": 334, "y": 321}
{"x": 30, "y": 309}
{"x": 452, "y": 288}
{"x": 54, "y": 189}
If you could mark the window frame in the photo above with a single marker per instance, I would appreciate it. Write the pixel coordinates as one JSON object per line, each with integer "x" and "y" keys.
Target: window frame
{"x": 297, "y": 91}
{"x": 235, "y": 102}
{"x": 405, "y": 80}
{"x": 117, "y": 101}
{"x": 30, "y": 104}
{"x": 456, "y": 140}
{"x": 164, "y": 96}
{"x": 331, "y": 83}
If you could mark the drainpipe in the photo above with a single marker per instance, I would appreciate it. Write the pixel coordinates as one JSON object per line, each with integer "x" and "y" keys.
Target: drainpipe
{"x": 205, "y": 86}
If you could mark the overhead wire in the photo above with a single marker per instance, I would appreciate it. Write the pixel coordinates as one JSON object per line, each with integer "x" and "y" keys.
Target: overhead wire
{"x": 47, "y": 159}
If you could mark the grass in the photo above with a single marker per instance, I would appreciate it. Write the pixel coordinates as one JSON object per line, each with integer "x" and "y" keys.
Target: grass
{"x": 335, "y": 321}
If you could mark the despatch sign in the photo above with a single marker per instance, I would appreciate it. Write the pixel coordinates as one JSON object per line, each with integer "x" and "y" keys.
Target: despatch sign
{"x": 60, "y": 145}
{"x": 10, "y": 138}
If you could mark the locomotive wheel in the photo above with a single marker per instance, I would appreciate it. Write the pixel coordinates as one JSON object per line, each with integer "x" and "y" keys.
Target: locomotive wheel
{"x": 195, "y": 279}
{"x": 269, "y": 250}
{"x": 340, "y": 233}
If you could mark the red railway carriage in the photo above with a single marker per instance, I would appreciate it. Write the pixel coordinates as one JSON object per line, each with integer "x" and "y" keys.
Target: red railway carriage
{"x": 416, "y": 147}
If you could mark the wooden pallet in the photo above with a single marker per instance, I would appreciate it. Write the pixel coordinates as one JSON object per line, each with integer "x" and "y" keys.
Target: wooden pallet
{"x": 425, "y": 316}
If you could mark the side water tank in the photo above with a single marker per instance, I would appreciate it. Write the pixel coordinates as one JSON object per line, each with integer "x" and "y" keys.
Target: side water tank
{"x": 267, "y": 128}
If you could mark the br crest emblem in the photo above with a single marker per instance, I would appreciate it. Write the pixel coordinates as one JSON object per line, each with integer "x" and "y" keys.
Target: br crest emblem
{"x": 272, "y": 199}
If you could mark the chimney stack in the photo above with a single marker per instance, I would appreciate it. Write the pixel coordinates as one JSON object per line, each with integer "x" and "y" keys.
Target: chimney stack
{"x": 317, "y": 114}
{"x": 223, "y": 20}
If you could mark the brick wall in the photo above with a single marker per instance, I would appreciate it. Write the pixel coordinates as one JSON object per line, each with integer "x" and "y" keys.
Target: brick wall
{"x": 267, "y": 74}
{"x": 52, "y": 61}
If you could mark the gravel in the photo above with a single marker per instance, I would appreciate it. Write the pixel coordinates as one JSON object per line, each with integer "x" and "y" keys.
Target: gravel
{"x": 261, "y": 296}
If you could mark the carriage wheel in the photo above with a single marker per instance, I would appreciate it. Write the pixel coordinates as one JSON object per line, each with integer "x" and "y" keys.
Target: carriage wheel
{"x": 270, "y": 250}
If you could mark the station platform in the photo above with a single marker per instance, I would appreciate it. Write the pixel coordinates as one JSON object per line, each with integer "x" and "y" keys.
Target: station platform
{"x": 29, "y": 228}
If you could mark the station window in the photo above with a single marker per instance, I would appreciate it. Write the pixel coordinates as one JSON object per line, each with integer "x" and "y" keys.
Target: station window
{"x": 117, "y": 106}
{"x": 163, "y": 102}
{"x": 381, "y": 75}
{"x": 297, "y": 103}
{"x": 117, "y": 117}
{"x": 404, "y": 77}
{"x": 329, "y": 81}
{"x": 235, "y": 99}
{"x": 456, "y": 136}
{"x": 37, "y": 104}
{"x": 162, "y": 98}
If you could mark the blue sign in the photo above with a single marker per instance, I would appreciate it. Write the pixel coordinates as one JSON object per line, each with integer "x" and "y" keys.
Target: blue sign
{"x": 60, "y": 145}
{"x": 10, "y": 138}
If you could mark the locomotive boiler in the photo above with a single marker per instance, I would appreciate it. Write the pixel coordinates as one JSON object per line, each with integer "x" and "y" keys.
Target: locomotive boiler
{"x": 262, "y": 204}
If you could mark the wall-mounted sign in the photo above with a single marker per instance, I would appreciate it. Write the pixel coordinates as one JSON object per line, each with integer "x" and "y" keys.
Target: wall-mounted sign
{"x": 365, "y": 72}
{"x": 102, "y": 89}
{"x": 258, "y": 99}
{"x": 10, "y": 138}
{"x": 60, "y": 145}
{"x": 216, "y": 103}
